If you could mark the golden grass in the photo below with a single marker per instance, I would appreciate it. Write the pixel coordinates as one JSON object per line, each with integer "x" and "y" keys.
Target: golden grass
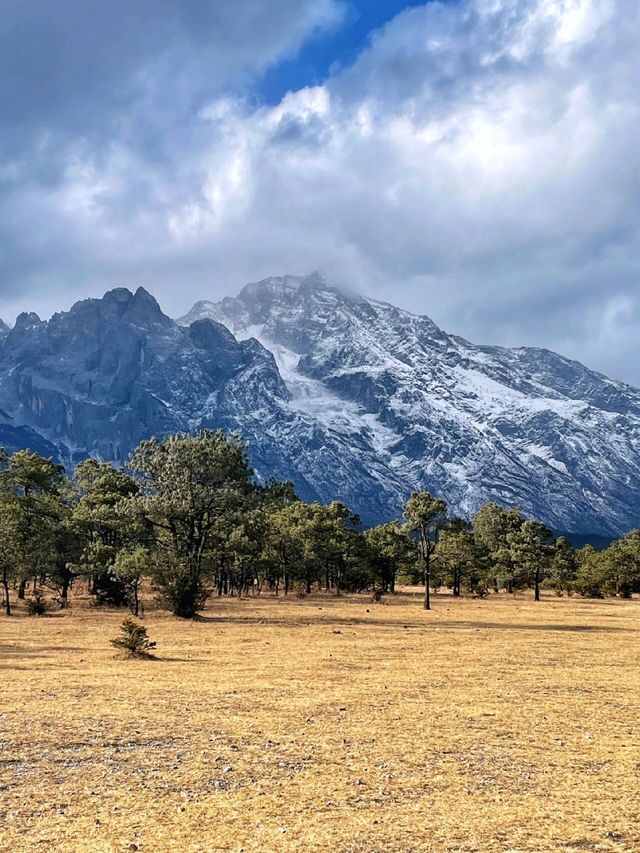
{"x": 326, "y": 725}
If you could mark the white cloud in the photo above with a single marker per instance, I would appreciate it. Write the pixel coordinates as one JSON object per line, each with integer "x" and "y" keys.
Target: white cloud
{"x": 478, "y": 162}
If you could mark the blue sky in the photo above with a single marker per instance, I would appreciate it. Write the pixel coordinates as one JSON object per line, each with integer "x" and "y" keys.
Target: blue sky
{"x": 331, "y": 48}
{"x": 476, "y": 160}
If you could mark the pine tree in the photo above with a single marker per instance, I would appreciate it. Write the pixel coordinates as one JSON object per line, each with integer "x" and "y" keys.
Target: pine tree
{"x": 133, "y": 639}
{"x": 391, "y": 552}
{"x": 425, "y": 515}
{"x": 457, "y": 553}
{"x": 531, "y": 551}
{"x": 188, "y": 484}
{"x": 564, "y": 565}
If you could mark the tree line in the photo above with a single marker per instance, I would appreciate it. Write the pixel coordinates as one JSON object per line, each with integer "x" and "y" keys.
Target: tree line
{"x": 188, "y": 515}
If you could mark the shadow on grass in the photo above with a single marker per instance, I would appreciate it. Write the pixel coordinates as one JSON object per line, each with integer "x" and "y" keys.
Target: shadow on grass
{"x": 374, "y": 622}
{"x": 12, "y": 651}
{"x": 535, "y": 626}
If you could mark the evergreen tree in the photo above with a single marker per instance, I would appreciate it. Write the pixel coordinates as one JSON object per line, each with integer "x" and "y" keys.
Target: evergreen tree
{"x": 493, "y": 530}
{"x": 620, "y": 564}
{"x": 187, "y": 484}
{"x": 425, "y": 515}
{"x": 9, "y": 534}
{"x": 591, "y": 576}
{"x": 286, "y": 543}
{"x": 458, "y": 555}
{"x": 36, "y": 483}
{"x": 391, "y": 551}
{"x": 130, "y": 567}
{"x": 105, "y": 518}
{"x": 531, "y": 550}
{"x": 564, "y": 566}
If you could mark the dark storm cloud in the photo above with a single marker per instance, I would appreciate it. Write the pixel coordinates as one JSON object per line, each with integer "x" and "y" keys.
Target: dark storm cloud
{"x": 78, "y": 67}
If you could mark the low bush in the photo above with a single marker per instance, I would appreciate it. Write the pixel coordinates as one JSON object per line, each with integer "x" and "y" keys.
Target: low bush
{"x": 133, "y": 639}
{"x": 37, "y": 604}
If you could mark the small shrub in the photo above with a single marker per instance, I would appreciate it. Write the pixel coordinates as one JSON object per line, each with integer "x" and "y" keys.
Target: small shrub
{"x": 376, "y": 595}
{"x": 133, "y": 639}
{"x": 36, "y": 605}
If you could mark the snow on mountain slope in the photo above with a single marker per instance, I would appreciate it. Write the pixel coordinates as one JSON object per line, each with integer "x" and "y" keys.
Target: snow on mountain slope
{"x": 472, "y": 423}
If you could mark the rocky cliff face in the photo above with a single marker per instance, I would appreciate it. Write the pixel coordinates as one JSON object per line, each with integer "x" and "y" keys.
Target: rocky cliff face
{"x": 113, "y": 371}
{"x": 350, "y": 398}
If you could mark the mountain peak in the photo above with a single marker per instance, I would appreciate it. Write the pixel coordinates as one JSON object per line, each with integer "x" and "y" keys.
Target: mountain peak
{"x": 280, "y": 285}
{"x": 143, "y": 296}
{"x": 257, "y": 299}
{"x": 27, "y": 320}
{"x": 119, "y": 295}
{"x": 120, "y": 304}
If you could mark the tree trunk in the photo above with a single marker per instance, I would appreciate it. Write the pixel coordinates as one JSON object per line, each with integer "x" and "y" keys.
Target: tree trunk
{"x": 64, "y": 593}
{"x": 5, "y": 587}
{"x": 456, "y": 583}
{"x": 22, "y": 588}
{"x": 426, "y": 556}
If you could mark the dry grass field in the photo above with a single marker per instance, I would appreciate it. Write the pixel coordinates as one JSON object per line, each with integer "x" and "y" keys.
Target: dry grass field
{"x": 331, "y": 725}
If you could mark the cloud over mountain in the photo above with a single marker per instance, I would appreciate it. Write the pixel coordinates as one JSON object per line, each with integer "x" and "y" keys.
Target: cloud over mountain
{"x": 478, "y": 161}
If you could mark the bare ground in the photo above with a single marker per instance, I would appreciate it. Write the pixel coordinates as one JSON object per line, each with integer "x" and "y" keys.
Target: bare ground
{"x": 326, "y": 724}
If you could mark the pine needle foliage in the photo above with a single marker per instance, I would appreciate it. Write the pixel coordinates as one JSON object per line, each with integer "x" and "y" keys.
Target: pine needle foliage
{"x": 133, "y": 639}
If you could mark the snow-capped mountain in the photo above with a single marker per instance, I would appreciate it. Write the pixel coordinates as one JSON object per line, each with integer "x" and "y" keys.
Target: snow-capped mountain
{"x": 350, "y": 398}
{"x": 523, "y": 426}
